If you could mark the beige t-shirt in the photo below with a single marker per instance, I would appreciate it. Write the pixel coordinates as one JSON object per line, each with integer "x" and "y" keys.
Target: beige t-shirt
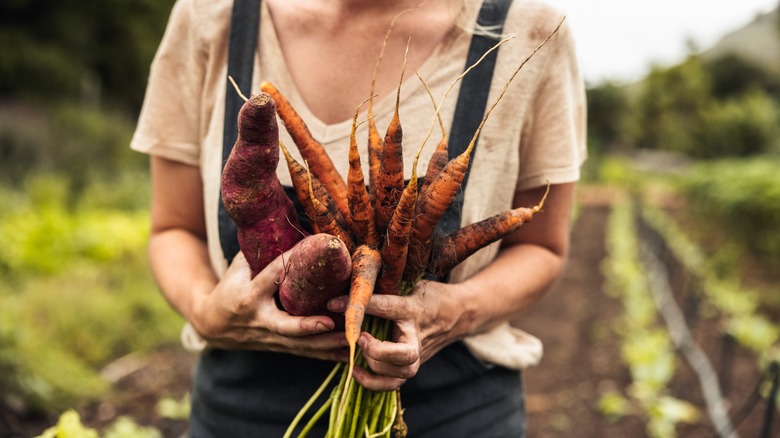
{"x": 536, "y": 133}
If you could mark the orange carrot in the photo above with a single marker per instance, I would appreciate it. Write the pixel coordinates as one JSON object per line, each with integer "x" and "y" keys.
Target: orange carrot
{"x": 375, "y": 146}
{"x": 301, "y": 179}
{"x": 312, "y": 151}
{"x": 360, "y": 209}
{"x": 374, "y": 139}
{"x": 390, "y": 179}
{"x": 438, "y": 160}
{"x": 430, "y": 209}
{"x": 396, "y": 245}
{"x": 366, "y": 264}
{"x": 461, "y": 244}
{"x": 437, "y": 198}
{"x": 326, "y": 222}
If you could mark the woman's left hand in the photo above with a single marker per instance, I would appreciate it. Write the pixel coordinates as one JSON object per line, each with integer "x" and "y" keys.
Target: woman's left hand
{"x": 425, "y": 322}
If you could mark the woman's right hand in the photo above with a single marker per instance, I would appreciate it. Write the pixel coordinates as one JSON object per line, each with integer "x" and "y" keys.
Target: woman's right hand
{"x": 241, "y": 313}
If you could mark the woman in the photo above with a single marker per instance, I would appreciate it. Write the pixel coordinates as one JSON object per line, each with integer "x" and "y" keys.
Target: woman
{"x": 454, "y": 355}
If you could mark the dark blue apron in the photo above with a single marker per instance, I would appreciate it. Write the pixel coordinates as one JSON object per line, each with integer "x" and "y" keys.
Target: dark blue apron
{"x": 247, "y": 393}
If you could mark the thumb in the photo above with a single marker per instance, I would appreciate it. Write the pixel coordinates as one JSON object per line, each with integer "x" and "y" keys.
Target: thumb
{"x": 238, "y": 271}
{"x": 274, "y": 273}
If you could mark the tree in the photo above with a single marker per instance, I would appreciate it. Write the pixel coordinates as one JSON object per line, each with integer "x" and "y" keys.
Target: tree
{"x": 79, "y": 49}
{"x": 670, "y": 105}
{"x": 733, "y": 75}
{"x": 607, "y": 112}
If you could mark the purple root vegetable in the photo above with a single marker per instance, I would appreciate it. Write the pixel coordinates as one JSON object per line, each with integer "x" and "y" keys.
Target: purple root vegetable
{"x": 318, "y": 270}
{"x": 253, "y": 196}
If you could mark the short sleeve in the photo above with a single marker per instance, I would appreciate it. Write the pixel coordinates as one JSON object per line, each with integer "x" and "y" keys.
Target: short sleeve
{"x": 553, "y": 141}
{"x": 169, "y": 125}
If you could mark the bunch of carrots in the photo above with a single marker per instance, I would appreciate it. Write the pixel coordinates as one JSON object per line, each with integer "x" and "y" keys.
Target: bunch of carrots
{"x": 386, "y": 228}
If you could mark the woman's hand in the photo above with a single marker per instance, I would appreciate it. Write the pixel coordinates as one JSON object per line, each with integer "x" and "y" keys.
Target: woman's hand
{"x": 425, "y": 322}
{"x": 241, "y": 313}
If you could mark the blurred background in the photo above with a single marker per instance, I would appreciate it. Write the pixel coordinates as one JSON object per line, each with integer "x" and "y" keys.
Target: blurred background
{"x": 666, "y": 322}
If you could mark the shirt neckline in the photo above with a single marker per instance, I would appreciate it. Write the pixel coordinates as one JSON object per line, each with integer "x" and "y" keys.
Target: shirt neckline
{"x": 324, "y": 132}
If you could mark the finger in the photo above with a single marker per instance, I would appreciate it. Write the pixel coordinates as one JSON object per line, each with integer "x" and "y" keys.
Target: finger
{"x": 403, "y": 360}
{"x": 392, "y": 307}
{"x": 405, "y": 352}
{"x": 238, "y": 271}
{"x": 282, "y": 323}
{"x": 334, "y": 345}
{"x": 376, "y": 382}
{"x": 329, "y": 346}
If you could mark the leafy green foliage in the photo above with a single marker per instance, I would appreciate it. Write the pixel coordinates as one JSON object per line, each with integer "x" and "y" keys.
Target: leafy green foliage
{"x": 669, "y": 107}
{"x": 741, "y": 126}
{"x": 126, "y": 427}
{"x": 645, "y": 344}
{"x": 722, "y": 107}
{"x": 738, "y": 306}
{"x": 40, "y": 235}
{"x": 667, "y": 412}
{"x": 614, "y": 405}
{"x": 84, "y": 145}
{"x": 734, "y": 75}
{"x": 76, "y": 50}
{"x": 70, "y": 426}
{"x": 75, "y": 293}
{"x": 651, "y": 359}
{"x": 607, "y": 114}
{"x": 174, "y": 409}
{"x": 743, "y": 197}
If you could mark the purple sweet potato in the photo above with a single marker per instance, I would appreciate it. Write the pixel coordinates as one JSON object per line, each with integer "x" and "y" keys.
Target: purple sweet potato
{"x": 253, "y": 196}
{"x": 318, "y": 270}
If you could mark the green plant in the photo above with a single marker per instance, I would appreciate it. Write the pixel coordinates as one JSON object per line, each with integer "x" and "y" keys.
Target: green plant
{"x": 740, "y": 126}
{"x": 739, "y": 307}
{"x": 645, "y": 344}
{"x": 70, "y": 426}
{"x": 668, "y": 110}
{"x": 742, "y": 196}
{"x": 174, "y": 409}
{"x": 75, "y": 292}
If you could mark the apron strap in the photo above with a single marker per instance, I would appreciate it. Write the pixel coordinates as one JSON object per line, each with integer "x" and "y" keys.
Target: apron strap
{"x": 244, "y": 29}
{"x": 472, "y": 99}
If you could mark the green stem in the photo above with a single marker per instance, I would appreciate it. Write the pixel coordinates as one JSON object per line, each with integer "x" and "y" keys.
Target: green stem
{"x": 376, "y": 412}
{"x": 310, "y": 402}
{"x": 370, "y": 401}
{"x": 356, "y": 411}
{"x": 315, "y": 417}
{"x": 336, "y": 396}
{"x": 389, "y": 414}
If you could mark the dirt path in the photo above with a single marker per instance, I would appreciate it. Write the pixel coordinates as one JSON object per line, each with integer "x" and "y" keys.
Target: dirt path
{"x": 575, "y": 321}
{"x": 581, "y": 360}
